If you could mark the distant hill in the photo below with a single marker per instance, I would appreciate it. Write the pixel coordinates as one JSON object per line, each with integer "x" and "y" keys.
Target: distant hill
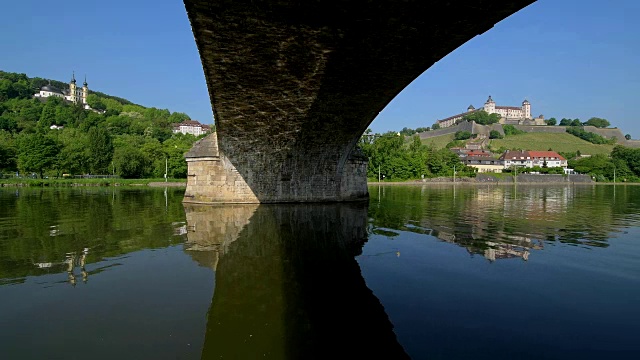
{"x": 534, "y": 138}
{"x": 52, "y": 136}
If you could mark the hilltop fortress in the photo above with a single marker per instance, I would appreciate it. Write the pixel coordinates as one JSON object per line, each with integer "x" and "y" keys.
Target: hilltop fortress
{"x": 513, "y": 115}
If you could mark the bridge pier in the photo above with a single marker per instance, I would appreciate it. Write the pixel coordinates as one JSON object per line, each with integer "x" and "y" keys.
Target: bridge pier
{"x": 298, "y": 176}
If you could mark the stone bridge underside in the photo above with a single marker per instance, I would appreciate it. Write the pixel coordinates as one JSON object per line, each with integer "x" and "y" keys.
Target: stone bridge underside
{"x": 293, "y": 85}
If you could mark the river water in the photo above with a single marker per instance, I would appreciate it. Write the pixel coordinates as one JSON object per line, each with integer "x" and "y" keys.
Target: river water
{"x": 422, "y": 272}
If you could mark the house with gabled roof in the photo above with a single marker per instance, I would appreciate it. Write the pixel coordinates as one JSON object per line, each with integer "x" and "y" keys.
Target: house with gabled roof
{"x": 532, "y": 158}
{"x": 484, "y": 164}
{"x": 516, "y": 158}
{"x": 550, "y": 158}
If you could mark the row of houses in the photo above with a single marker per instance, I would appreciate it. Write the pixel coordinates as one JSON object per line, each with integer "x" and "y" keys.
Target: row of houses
{"x": 485, "y": 161}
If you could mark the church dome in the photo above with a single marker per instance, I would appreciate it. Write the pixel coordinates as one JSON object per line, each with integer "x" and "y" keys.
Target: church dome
{"x": 51, "y": 88}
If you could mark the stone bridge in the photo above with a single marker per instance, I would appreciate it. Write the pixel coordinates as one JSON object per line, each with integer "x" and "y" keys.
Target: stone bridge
{"x": 293, "y": 85}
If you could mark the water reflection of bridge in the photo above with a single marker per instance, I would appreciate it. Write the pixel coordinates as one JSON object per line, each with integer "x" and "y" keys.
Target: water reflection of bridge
{"x": 287, "y": 282}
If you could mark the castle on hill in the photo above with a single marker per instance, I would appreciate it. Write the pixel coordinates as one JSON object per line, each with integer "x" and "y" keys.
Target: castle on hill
{"x": 74, "y": 94}
{"x": 515, "y": 115}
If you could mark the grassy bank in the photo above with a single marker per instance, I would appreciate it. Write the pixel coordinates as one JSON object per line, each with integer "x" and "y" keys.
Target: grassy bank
{"x": 439, "y": 142}
{"x": 558, "y": 142}
{"x": 561, "y": 142}
{"x": 84, "y": 182}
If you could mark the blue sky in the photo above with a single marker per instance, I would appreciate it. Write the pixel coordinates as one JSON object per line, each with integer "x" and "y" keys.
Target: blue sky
{"x": 569, "y": 58}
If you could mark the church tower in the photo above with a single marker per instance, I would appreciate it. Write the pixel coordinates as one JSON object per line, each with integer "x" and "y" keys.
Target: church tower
{"x": 526, "y": 109}
{"x": 490, "y": 106}
{"x": 85, "y": 91}
{"x": 73, "y": 88}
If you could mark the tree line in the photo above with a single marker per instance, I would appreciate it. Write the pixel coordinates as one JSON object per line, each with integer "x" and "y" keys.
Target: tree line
{"x": 117, "y": 137}
{"x": 393, "y": 158}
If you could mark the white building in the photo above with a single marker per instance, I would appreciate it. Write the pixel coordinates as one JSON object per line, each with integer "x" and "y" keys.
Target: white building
{"x": 508, "y": 114}
{"x": 533, "y": 158}
{"x": 192, "y": 127}
{"x": 74, "y": 94}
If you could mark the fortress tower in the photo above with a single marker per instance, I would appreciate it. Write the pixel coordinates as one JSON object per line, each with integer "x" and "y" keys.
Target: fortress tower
{"x": 490, "y": 105}
{"x": 526, "y": 109}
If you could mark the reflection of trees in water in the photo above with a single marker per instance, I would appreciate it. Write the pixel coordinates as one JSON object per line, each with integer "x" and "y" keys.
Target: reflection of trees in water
{"x": 506, "y": 221}
{"x": 288, "y": 284}
{"x": 48, "y": 224}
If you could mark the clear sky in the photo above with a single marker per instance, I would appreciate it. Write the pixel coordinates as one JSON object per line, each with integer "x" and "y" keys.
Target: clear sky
{"x": 569, "y": 58}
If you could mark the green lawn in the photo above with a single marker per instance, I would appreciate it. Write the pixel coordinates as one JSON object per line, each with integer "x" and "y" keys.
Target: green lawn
{"x": 439, "y": 142}
{"x": 556, "y": 142}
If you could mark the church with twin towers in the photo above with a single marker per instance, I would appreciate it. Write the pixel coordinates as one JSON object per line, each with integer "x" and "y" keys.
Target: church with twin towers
{"x": 74, "y": 94}
{"x": 514, "y": 115}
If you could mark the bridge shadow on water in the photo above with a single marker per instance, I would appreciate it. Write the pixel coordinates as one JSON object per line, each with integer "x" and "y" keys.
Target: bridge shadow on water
{"x": 287, "y": 282}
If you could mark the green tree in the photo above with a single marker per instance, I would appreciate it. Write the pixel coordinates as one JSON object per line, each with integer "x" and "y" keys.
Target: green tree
{"x": 37, "y": 153}
{"x": 511, "y": 130}
{"x": 565, "y": 122}
{"x": 482, "y": 117}
{"x": 576, "y": 122}
{"x": 48, "y": 116}
{"x": 462, "y": 135}
{"x": 495, "y": 134}
{"x": 407, "y": 131}
{"x": 174, "y": 149}
{"x": 551, "y": 121}
{"x": 628, "y": 137}
{"x": 74, "y": 155}
{"x": 435, "y": 126}
{"x": 631, "y": 157}
{"x": 8, "y": 123}
{"x": 8, "y": 151}
{"x": 100, "y": 150}
{"x": 178, "y": 117}
{"x": 598, "y": 122}
{"x": 130, "y": 162}
{"x": 95, "y": 102}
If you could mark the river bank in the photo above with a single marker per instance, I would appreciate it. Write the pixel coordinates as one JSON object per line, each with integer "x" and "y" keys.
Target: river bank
{"x": 91, "y": 182}
{"x": 501, "y": 179}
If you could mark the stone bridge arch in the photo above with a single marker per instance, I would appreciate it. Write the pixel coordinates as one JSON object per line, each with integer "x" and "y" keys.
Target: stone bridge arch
{"x": 293, "y": 84}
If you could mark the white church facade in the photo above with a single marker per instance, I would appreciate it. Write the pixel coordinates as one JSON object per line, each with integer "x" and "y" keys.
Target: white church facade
{"x": 508, "y": 114}
{"x": 74, "y": 94}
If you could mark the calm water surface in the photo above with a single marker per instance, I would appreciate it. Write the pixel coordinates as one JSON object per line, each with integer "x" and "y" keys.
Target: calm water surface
{"x": 432, "y": 272}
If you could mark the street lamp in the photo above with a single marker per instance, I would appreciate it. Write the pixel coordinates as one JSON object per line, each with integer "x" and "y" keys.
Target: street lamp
{"x": 614, "y": 173}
